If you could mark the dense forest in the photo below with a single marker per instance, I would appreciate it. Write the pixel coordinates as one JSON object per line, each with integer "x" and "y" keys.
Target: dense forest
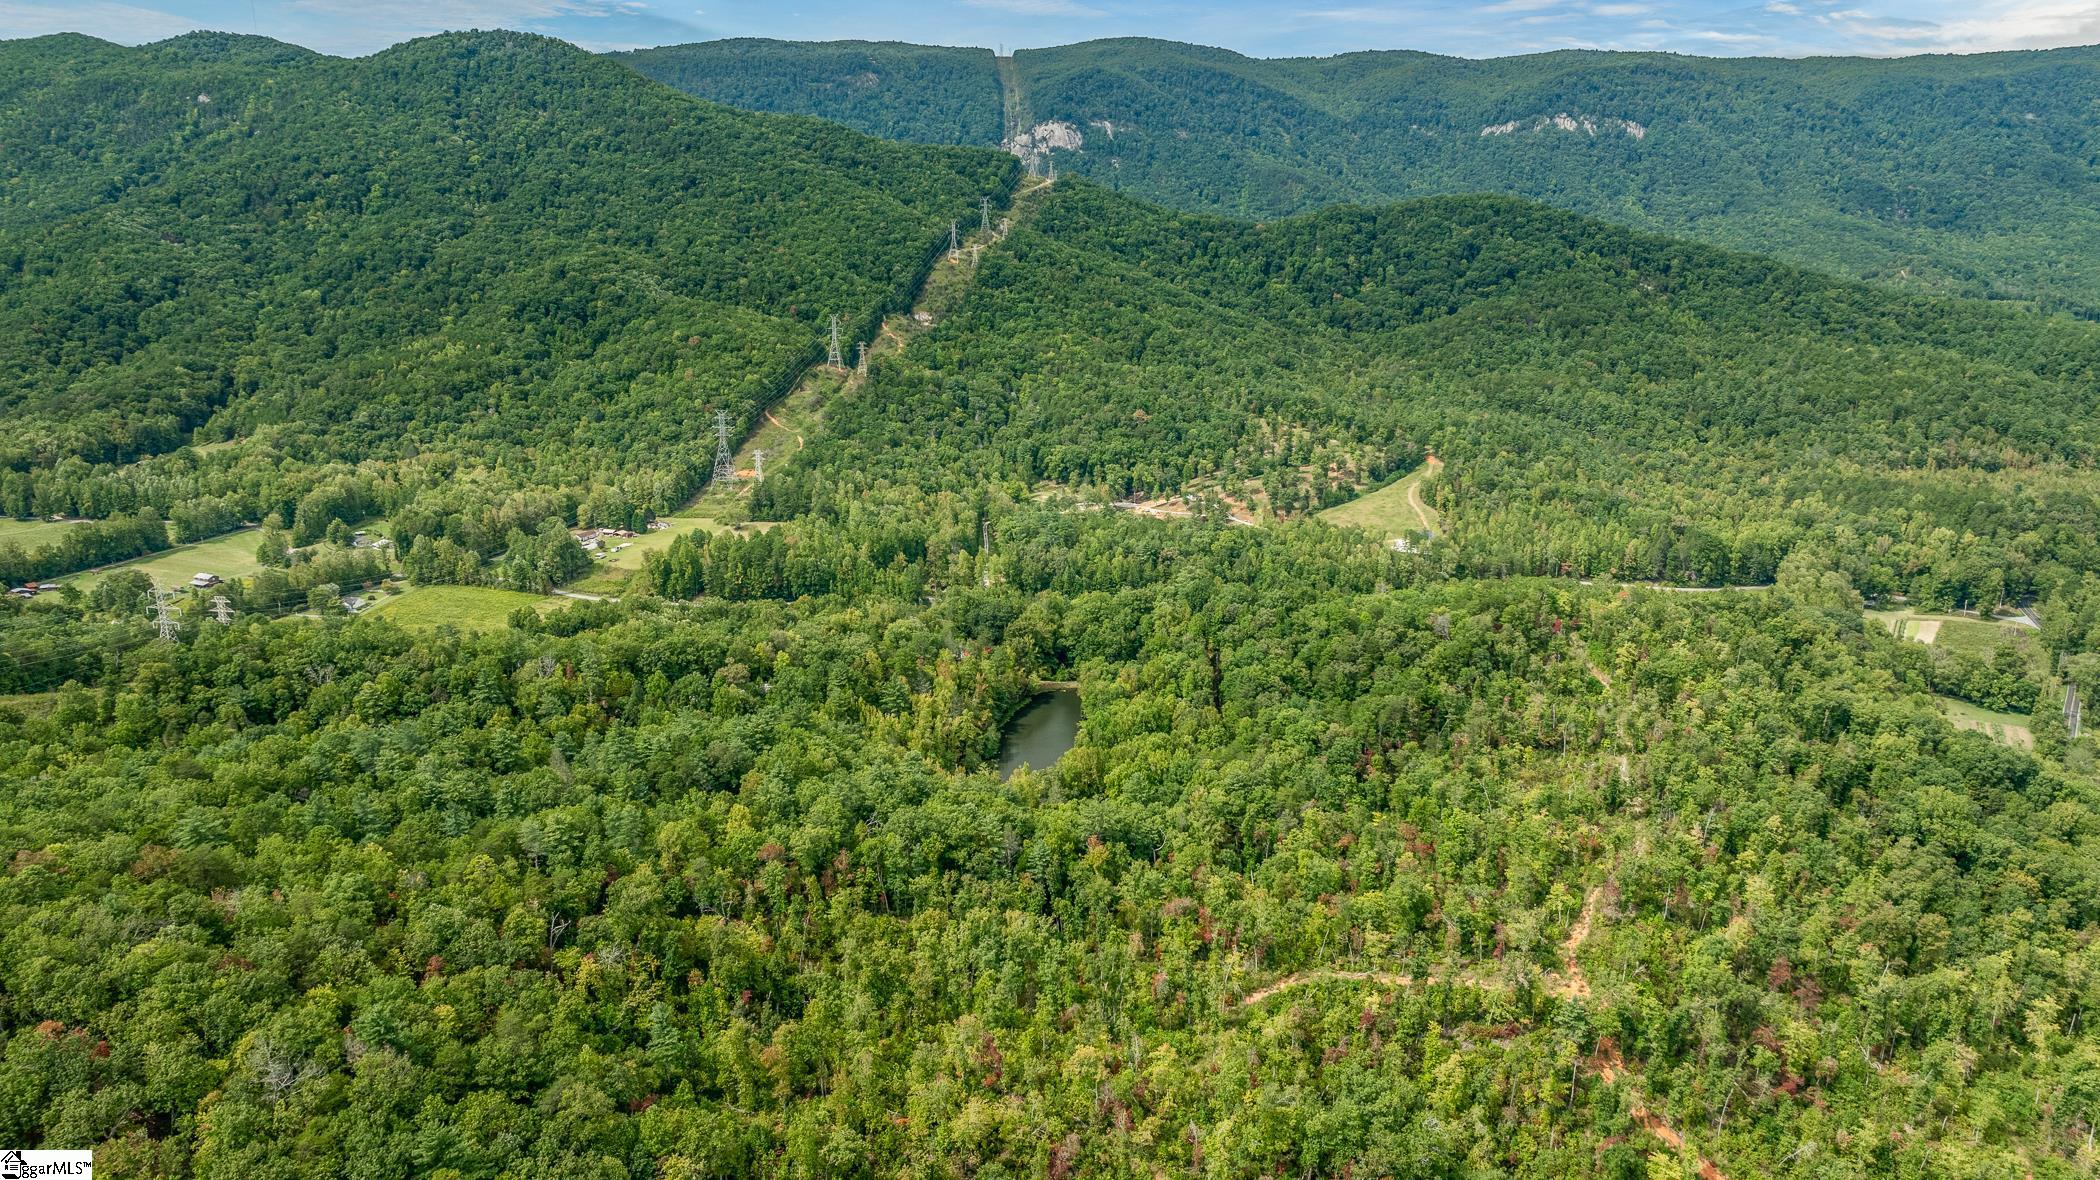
{"x": 1354, "y": 870}
{"x": 1606, "y": 403}
{"x": 1457, "y": 857}
{"x": 470, "y": 269}
{"x": 1974, "y": 174}
{"x": 920, "y": 93}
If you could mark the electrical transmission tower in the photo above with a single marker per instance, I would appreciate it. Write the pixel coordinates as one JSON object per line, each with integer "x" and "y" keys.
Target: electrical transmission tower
{"x": 838, "y": 359}
{"x": 221, "y": 609}
{"x": 862, "y": 367}
{"x": 758, "y": 464}
{"x": 984, "y": 208}
{"x": 1053, "y": 171}
{"x": 954, "y": 242}
{"x": 725, "y": 459}
{"x": 165, "y": 612}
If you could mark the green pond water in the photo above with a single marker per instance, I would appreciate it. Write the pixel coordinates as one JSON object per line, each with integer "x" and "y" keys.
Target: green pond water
{"x": 1041, "y": 732}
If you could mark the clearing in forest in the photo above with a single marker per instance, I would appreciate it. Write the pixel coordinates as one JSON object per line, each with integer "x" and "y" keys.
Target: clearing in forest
{"x": 35, "y": 534}
{"x": 2009, "y": 728}
{"x": 1969, "y": 634}
{"x": 229, "y": 555}
{"x": 1394, "y": 510}
{"x": 470, "y": 608}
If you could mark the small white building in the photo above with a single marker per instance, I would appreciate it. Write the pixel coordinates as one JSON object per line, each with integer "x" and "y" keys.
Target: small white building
{"x": 203, "y": 581}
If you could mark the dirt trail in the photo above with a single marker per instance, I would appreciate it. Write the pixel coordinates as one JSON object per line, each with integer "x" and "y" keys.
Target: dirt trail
{"x": 1383, "y": 978}
{"x": 1430, "y": 465}
{"x": 799, "y": 444}
{"x": 1573, "y": 982}
{"x": 1610, "y": 1069}
{"x": 1569, "y": 982}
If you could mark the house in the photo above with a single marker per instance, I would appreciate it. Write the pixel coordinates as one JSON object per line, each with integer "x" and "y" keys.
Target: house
{"x": 621, "y": 533}
{"x": 657, "y": 526}
{"x": 354, "y": 603}
{"x": 202, "y": 581}
{"x": 26, "y": 591}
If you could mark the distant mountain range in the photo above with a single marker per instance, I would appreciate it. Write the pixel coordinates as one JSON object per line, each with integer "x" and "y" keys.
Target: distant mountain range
{"x": 1973, "y": 174}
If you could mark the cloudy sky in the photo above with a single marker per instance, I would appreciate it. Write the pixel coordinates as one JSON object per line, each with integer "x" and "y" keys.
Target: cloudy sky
{"x": 1268, "y": 28}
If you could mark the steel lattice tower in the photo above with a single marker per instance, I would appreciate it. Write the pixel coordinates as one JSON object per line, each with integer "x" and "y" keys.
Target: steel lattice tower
{"x": 725, "y": 459}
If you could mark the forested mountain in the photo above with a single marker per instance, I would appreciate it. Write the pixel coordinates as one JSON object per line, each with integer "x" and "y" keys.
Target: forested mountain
{"x": 1606, "y": 403}
{"x": 1363, "y": 860}
{"x": 921, "y": 93}
{"x": 1973, "y": 174}
{"x": 489, "y": 274}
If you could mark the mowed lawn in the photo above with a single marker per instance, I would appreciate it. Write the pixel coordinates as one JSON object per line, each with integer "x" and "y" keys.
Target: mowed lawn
{"x": 33, "y": 534}
{"x": 229, "y": 556}
{"x": 470, "y": 608}
{"x": 1398, "y": 508}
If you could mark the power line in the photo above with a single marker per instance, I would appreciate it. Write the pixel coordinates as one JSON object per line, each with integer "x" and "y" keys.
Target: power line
{"x": 165, "y": 612}
{"x": 725, "y": 458}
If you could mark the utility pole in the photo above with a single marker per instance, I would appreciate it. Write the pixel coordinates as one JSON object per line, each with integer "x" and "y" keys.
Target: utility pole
{"x": 984, "y": 207}
{"x": 725, "y": 459}
{"x": 165, "y": 612}
{"x": 838, "y": 359}
{"x": 221, "y": 609}
{"x": 862, "y": 367}
{"x": 954, "y": 243}
{"x": 1053, "y": 171}
{"x": 758, "y": 465}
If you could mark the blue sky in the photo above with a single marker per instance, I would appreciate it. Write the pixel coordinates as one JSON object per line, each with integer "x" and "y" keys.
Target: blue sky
{"x": 1267, "y": 28}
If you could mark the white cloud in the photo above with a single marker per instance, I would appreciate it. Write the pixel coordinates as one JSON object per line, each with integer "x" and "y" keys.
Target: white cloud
{"x": 1733, "y": 40}
{"x": 1037, "y": 7}
{"x": 1980, "y": 26}
{"x": 1361, "y": 16}
{"x": 126, "y": 23}
{"x": 1621, "y": 9}
{"x": 1782, "y": 8}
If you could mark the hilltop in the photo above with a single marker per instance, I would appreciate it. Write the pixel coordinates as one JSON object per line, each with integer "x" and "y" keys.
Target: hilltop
{"x": 472, "y": 269}
{"x": 1971, "y": 174}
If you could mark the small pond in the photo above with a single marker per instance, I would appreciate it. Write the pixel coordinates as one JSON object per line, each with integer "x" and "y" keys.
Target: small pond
{"x": 1041, "y": 732}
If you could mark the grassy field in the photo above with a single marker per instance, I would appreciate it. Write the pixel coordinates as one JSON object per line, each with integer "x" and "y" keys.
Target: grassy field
{"x": 1398, "y": 508}
{"x": 1962, "y": 633}
{"x": 470, "y": 608}
{"x": 2010, "y": 728}
{"x": 33, "y": 534}
{"x": 610, "y": 576}
{"x": 230, "y": 556}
